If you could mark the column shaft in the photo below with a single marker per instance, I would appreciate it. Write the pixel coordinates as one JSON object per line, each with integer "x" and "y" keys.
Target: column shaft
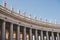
{"x": 24, "y": 33}
{"x": 36, "y": 35}
{"x": 52, "y": 36}
{"x": 3, "y": 30}
{"x": 41, "y": 35}
{"x": 57, "y": 36}
{"x": 30, "y": 34}
{"x": 47, "y": 35}
{"x": 18, "y": 33}
{"x": 11, "y": 32}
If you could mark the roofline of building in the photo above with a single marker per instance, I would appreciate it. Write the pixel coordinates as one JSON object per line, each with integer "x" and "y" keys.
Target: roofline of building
{"x": 27, "y": 19}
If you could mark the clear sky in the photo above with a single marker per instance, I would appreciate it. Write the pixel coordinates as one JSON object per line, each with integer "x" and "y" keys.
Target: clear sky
{"x": 49, "y": 9}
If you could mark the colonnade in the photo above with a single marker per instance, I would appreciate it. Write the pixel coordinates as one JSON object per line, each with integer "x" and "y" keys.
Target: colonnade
{"x": 10, "y": 31}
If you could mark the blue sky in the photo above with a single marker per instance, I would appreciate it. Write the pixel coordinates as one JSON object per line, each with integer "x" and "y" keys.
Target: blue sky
{"x": 49, "y": 9}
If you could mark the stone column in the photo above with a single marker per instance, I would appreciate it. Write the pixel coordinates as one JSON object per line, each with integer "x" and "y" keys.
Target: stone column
{"x": 41, "y": 35}
{"x": 3, "y": 30}
{"x": 18, "y": 33}
{"x": 11, "y": 32}
{"x": 52, "y": 36}
{"x": 30, "y": 34}
{"x": 47, "y": 35}
{"x": 57, "y": 36}
{"x": 36, "y": 33}
{"x": 24, "y": 33}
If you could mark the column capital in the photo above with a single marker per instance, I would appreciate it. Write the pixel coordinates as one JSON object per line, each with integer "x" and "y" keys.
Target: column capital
{"x": 19, "y": 25}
